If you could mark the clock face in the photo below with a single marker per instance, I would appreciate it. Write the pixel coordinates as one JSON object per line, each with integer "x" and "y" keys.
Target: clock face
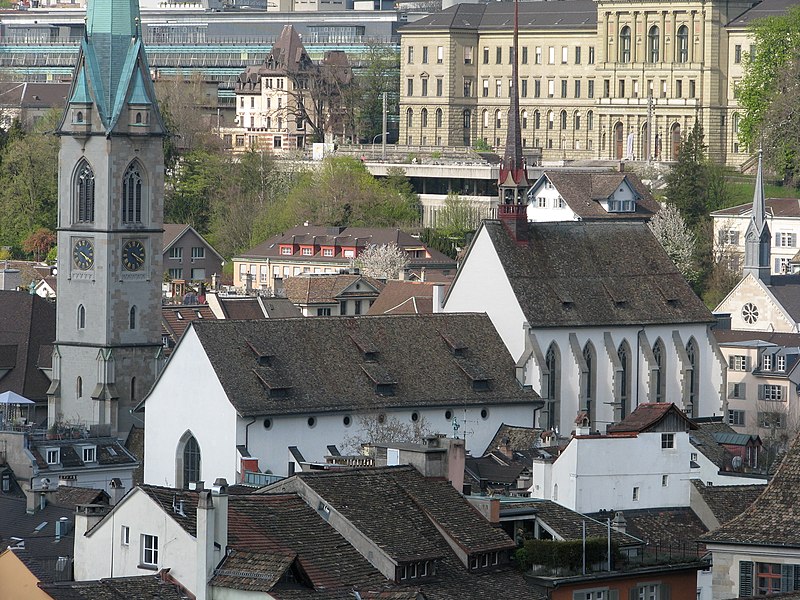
{"x": 133, "y": 254}
{"x": 83, "y": 254}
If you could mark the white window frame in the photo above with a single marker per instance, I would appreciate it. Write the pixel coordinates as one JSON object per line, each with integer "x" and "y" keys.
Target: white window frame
{"x": 89, "y": 454}
{"x": 176, "y": 253}
{"x": 149, "y": 553}
{"x": 739, "y": 420}
{"x": 738, "y": 362}
{"x": 125, "y": 536}
{"x": 53, "y": 456}
{"x": 787, "y": 239}
{"x": 781, "y": 362}
{"x": 766, "y": 362}
{"x": 198, "y": 252}
{"x": 286, "y": 251}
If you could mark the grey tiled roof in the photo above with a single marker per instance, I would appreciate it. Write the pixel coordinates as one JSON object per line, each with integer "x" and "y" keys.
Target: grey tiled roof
{"x": 728, "y": 501}
{"x": 582, "y": 274}
{"x": 569, "y": 14}
{"x": 321, "y": 362}
{"x": 583, "y": 191}
{"x": 766, "y": 8}
{"x": 677, "y": 529}
{"x": 772, "y": 519}
{"x": 117, "y": 588}
{"x": 309, "y": 289}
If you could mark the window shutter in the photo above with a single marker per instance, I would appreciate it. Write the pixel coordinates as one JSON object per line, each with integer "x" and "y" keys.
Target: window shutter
{"x": 777, "y": 265}
{"x": 793, "y": 240}
{"x": 730, "y": 363}
{"x": 784, "y": 395}
{"x": 721, "y": 236}
{"x": 761, "y": 387}
{"x": 613, "y": 595}
{"x": 664, "y": 591}
{"x": 747, "y": 366}
{"x": 731, "y": 390}
{"x": 787, "y": 578}
{"x": 745, "y": 578}
{"x": 735, "y": 238}
{"x": 777, "y": 240}
{"x": 742, "y": 394}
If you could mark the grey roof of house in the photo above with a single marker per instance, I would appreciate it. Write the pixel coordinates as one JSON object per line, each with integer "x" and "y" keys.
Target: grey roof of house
{"x": 767, "y": 8}
{"x": 740, "y": 337}
{"x": 786, "y": 289}
{"x": 109, "y": 452}
{"x": 116, "y": 588}
{"x": 728, "y": 501}
{"x": 704, "y": 440}
{"x": 776, "y": 207}
{"x": 27, "y": 324}
{"x": 669, "y": 529}
{"x": 493, "y": 469}
{"x": 583, "y": 191}
{"x": 329, "y": 364}
{"x": 327, "y": 289}
{"x": 772, "y": 519}
{"x": 568, "y": 14}
{"x": 580, "y": 274}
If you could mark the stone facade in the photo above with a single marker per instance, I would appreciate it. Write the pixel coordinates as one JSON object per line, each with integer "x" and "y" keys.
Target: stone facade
{"x": 584, "y": 93}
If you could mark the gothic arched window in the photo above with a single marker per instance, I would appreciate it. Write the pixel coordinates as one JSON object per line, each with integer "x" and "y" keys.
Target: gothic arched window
{"x": 660, "y": 383}
{"x": 439, "y": 117}
{"x": 590, "y": 382}
{"x": 132, "y": 194}
{"x": 191, "y": 461}
{"x": 79, "y": 388}
{"x": 133, "y": 317}
{"x": 83, "y": 211}
{"x": 81, "y": 317}
{"x": 552, "y": 362}
{"x": 624, "y": 354}
{"x": 693, "y": 380}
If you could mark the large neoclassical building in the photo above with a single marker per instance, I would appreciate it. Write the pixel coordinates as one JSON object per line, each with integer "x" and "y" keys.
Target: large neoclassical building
{"x": 592, "y": 75}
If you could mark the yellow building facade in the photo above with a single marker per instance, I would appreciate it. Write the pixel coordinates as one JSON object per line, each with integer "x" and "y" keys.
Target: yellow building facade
{"x": 610, "y": 79}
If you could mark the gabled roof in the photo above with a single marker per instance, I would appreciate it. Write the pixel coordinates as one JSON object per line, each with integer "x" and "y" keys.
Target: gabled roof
{"x": 569, "y": 14}
{"x": 786, "y": 289}
{"x": 772, "y": 519}
{"x": 517, "y": 437}
{"x": 404, "y": 298}
{"x": 582, "y": 274}
{"x": 775, "y": 207}
{"x": 175, "y": 318}
{"x": 252, "y": 571}
{"x": 175, "y": 231}
{"x": 728, "y": 501}
{"x": 583, "y": 192}
{"x": 703, "y": 440}
{"x": 648, "y": 415}
{"x": 116, "y": 588}
{"x": 329, "y": 289}
{"x": 170, "y": 500}
{"x": 27, "y": 324}
{"x": 322, "y": 361}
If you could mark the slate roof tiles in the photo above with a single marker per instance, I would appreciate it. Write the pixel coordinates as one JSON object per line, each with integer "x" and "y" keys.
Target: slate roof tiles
{"x": 118, "y": 588}
{"x": 564, "y": 276}
{"x": 728, "y": 501}
{"x": 322, "y": 365}
{"x": 582, "y": 192}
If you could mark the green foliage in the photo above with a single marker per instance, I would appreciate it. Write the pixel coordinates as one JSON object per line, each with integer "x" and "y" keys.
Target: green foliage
{"x": 566, "y": 555}
{"x": 687, "y": 182}
{"x": 435, "y": 239}
{"x": 381, "y": 75}
{"x": 777, "y": 43}
{"x": 482, "y": 145}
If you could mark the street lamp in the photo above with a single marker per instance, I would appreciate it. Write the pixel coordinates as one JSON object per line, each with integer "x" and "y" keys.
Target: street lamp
{"x": 373, "y": 142}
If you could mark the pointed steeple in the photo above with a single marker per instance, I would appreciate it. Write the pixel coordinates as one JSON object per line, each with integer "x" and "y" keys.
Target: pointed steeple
{"x": 112, "y": 69}
{"x": 758, "y": 237}
{"x": 513, "y": 181}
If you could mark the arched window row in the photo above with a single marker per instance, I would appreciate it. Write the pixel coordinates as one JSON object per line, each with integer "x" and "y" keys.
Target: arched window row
{"x": 654, "y": 52}
{"x": 132, "y": 194}
{"x": 83, "y": 206}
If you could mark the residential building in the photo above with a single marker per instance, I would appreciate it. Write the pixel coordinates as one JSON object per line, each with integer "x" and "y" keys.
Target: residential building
{"x": 309, "y": 249}
{"x": 107, "y": 351}
{"x": 27, "y": 330}
{"x": 596, "y": 80}
{"x": 265, "y": 392}
{"x": 20, "y": 576}
{"x": 332, "y": 295}
{"x": 783, "y": 218}
{"x": 176, "y": 318}
{"x": 289, "y": 100}
{"x": 409, "y": 297}
{"x": 587, "y": 196}
{"x": 757, "y": 553}
{"x": 188, "y": 257}
{"x": 28, "y": 102}
{"x": 592, "y": 331}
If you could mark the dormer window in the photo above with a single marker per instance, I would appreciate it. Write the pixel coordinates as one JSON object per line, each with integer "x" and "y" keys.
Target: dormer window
{"x": 286, "y": 250}
{"x": 89, "y": 454}
{"x": 416, "y": 570}
{"x": 621, "y": 206}
{"x": 53, "y": 456}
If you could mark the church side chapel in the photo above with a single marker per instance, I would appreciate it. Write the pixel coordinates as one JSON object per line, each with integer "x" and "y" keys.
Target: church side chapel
{"x": 107, "y": 351}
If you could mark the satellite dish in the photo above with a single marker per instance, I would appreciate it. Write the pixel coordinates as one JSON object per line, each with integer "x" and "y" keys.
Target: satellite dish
{"x": 736, "y": 462}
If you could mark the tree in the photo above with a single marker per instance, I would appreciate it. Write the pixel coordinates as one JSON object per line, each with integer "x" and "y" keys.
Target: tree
{"x": 676, "y": 238}
{"x": 687, "y": 182}
{"x": 382, "y": 75}
{"x": 458, "y": 217}
{"x": 777, "y": 44}
{"x": 780, "y": 127}
{"x": 382, "y": 429}
{"x": 39, "y": 243}
{"x": 382, "y": 262}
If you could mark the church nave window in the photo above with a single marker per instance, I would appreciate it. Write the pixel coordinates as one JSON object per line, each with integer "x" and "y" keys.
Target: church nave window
{"x": 132, "y": 195}
{"x": 81, "y": 317}
{"x": 84, "y": 194}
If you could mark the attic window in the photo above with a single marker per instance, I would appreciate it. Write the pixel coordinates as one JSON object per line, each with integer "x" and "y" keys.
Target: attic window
{"x": 621, "y": 206}
{"x": 273, "y": 383}
{"x": 457, "y": 347}
{"x": 366, "y": 346}
{"x": 263, "y": 357}
{"x": 384, "y": 382}
{"x": 199, "y": 315}
{"x": 480, "y": 379}
{"x": 53, "y": 456}
{"x": 564, "y": 297}
{"x": 89, "y": 454}
{"x": 179, "y": 315}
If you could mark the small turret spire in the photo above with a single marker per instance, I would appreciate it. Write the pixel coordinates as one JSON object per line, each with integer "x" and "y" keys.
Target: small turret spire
{"x": 758, "y": 237}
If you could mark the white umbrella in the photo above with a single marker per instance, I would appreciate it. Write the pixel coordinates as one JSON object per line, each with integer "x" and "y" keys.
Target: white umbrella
{"x": 14, "y": 398}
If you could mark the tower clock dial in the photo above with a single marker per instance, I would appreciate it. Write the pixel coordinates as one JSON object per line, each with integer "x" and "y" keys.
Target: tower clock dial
{"x": 83, "y": 254}
{"x": 133, "y": 255}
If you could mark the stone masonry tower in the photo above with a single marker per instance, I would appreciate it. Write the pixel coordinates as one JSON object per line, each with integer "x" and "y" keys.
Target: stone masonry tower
{"x": 107, "y": 351}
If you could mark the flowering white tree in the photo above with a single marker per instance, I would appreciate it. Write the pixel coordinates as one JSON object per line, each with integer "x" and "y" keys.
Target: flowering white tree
{"x": 382, "y": 262}
{"x": 670, "y": 229}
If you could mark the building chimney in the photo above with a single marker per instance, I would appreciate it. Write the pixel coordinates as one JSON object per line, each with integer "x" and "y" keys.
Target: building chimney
{"x": 117, "y": 491}
{"x": 205, "y": 543}
{"x": 219, "y": 492}
{"x": 438, "y": 297}
{"x": 505, "y": 447}
{"x": 619, "y": 523}
{"x": 87, "y": 515}
{"x": 456, "y": 460}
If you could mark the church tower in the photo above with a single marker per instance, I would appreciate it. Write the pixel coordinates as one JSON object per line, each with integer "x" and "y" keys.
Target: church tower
{"x": 758, "y": 237}
{"x": 107, "y": 351}
{"x": 513, "y": 182}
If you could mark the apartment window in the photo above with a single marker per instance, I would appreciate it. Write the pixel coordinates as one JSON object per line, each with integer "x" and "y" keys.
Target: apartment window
{"x": 653, "y": 38}
{"x": 551, "y": 88}
{"x": 774, "y": 393}
{"x": 682, "y": 46}
{"x": 737, "y": 362}
{"x": 537, "y": 88}
{"x": 149, "y": 556}
{"x": 498, "y": 58}
{"x": 176, "y": 253}
{"x": 538, "y": 55}
{"x": 176, "y": 273}
{"x": 590, "y": 89}
{"x": 343, "y": 307}
{"x": 125, "y": 535}
{"x": 563, "y": 119}
{"x": 663, "y": 88}
{"x": 649, "y": 591}
{"x": 328, "y": 252}
{"x": 667, "y": 441}
{"x": 736, "y": 418}
{"x": 736, "y": 390}
{"x": 53, "y": 456}
{"x": 498, "y": 88}
{"x": 664, "y": 480}
{"x": 424, "y": 87}
{"x": 524, "y": 55}
{"x": 550, "y": 120}
{"x": 635, "y": 495}
{"x": 577, "y": 88}
{"x": 693, "y": 92}
{"x": 485, "y": 88}
{"x": 511, "y": 55}
{"x": 737, "y": 53}
{"x": 563, "y": 88}
{"x": 591, "y": 55}
{"x": 625, "y": 45}
{"x": 486, "y": 55}
{"x": 577, "y": 55}
{"x": 424, "y": 55}
{"x": 323, "y": 312}
{"x": 551, "y": 55}
{"x": 781, "y": 362}
{"x": 467, "y": 55}
{"x": 410, "y": 87}
{"x": 467, "y": 87}
{"x": 564, "y": 55}
{"x": 606, "y": 88}
{"x": 439, "y": 54}
{"x": 635, "y": 88}
{"x": 621, "y": 88}
{"x": 410, "y": 60}
{"x": 523, "y": 89}
{"x": 198, "y": 252}
{"x": 498, "y": 122}
{"x": 766, "y": 362}
{"x": 770, "y": 420}
{"x": 90, "y": 454}
{"x": 786, "y": 240}
{"x": 440, "y": 87}
{"x": 286, "y": 250}
{"x": 590, "y": 120}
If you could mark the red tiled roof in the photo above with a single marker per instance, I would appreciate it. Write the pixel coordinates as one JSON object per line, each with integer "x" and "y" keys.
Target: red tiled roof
{"x": 648, "y": 415}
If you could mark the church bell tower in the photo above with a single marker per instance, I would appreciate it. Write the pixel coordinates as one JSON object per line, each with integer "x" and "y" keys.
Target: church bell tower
{"x": 107, "y": 351}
